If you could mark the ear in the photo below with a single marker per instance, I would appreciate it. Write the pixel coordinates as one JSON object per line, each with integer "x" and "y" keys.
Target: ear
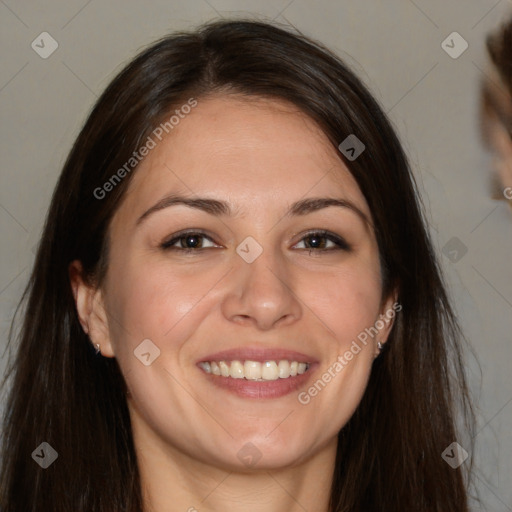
{"x": 386, "y": 320}
{"x": 91, "y": 309}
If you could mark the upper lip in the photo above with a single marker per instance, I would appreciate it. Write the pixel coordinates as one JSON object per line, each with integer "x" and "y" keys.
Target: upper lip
{"x": 251, "y": 353}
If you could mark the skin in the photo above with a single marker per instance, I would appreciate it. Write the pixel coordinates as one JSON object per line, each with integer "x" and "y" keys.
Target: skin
{"x": 497, "y": 134}
{"x": 260, "y": 156}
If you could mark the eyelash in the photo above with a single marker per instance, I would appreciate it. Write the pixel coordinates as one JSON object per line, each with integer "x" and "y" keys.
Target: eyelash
{"x": 340, "y": 242}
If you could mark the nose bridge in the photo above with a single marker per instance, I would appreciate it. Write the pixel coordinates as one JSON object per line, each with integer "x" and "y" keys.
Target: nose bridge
{"x": 261, "y": 290}
{"x": 266, "y": 274}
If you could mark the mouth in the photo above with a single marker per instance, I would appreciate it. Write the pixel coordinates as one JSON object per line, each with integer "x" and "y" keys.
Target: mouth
{"x": 255, "y": 370}
{"x": 258, "y": 373}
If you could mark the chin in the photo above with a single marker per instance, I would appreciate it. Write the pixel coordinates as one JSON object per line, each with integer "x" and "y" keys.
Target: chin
{"x": 264, "y": 452}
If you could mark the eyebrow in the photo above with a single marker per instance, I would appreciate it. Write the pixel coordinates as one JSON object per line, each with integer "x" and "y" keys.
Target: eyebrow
{"x": 217, "y": 207}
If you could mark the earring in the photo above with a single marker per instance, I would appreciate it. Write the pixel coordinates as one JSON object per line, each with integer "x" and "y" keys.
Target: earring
{"x": 380, "y": 346}
{"x": 98, "y": 350}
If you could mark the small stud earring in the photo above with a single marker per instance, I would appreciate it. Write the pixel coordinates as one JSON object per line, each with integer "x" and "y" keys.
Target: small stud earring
{"x": 98, "y": 350}
{"x": 380, "y": 346}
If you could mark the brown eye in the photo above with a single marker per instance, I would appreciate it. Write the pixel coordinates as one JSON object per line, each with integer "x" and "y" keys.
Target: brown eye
{"x": 319, "y": 241}
{"x": 188, "y": 242}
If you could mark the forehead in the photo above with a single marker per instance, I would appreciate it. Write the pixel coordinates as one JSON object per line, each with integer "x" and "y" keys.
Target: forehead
{"x": 255, "y": 153}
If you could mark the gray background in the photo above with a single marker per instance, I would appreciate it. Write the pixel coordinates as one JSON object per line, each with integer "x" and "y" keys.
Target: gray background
{"x": 395, "y": 46}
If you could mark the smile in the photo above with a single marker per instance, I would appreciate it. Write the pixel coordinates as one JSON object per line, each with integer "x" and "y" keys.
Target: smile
{"x": 255, "y": 370}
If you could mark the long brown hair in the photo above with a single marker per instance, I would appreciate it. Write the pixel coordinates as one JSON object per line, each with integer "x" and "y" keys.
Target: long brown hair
{"x": 389, "y": 453}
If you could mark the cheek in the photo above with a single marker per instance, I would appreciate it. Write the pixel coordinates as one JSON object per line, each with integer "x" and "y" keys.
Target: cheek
{"x": 347, "y": 304}
{"x": 346, "y": 301}
{"x": 151, "y": 300}
{"x": 158, "y": 301}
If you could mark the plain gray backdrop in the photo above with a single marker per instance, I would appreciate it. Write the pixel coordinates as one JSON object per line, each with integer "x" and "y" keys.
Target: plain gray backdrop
{"x": 395, "y": 46}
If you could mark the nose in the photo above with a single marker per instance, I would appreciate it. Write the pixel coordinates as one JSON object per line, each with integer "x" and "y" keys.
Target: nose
{"x": 262, "y": 294}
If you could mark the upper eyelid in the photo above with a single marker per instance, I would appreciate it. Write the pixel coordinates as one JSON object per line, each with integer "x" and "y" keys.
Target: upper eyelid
{"x": 180, "y": 234}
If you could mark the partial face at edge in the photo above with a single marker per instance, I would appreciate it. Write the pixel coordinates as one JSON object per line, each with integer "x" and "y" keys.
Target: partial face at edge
{"x": 260, "y": 157}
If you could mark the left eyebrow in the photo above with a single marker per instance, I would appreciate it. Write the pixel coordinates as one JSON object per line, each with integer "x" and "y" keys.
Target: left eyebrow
{"x": 217, "y": 208}
{"x": 313, "y": 204}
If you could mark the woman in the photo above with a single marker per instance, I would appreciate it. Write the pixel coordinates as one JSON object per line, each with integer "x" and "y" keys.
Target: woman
{"x": 235, "y": 302}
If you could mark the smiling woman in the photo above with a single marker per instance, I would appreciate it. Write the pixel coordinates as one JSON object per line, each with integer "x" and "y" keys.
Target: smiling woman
{"x": 270, "y": 247}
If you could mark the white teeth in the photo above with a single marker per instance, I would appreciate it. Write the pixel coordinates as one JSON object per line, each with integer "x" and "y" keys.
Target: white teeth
{"x": 254, "y": 370}
{"x": 215, "y": 368}
{"x": 284, "y": 369}
{"x": 224, "y": 369}
{"x": 269, "y": 371}
{"x": 237, "y": 370}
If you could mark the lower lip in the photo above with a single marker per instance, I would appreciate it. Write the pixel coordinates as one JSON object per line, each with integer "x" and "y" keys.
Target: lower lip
{"x": 261, "y": 389}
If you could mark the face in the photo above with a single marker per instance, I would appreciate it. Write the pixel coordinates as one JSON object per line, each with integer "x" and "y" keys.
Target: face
{"x": 253, "y": 273}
